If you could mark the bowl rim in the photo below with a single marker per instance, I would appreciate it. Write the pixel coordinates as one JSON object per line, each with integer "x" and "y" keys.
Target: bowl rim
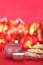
{"x": 18, "y": 53}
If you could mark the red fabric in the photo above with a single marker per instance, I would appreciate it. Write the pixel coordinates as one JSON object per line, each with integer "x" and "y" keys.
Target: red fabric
{"x": 4, "y": 61}
{"x": 30, "y": 11}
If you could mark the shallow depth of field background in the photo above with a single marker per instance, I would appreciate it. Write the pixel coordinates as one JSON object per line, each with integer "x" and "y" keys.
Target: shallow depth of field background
{"x": 29, "y": 10}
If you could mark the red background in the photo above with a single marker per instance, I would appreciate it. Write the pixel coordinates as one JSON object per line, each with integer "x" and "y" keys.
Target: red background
{"x": 30, "y": 11}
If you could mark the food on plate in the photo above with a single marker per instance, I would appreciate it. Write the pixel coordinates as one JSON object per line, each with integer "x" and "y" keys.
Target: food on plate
{"x": 30, "y": 55}
{"x": 37, "y": 46}
{"x": 36, "y": 52}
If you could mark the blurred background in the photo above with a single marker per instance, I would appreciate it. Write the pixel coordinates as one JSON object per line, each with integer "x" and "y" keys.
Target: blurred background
{"x": 29, "y": 10}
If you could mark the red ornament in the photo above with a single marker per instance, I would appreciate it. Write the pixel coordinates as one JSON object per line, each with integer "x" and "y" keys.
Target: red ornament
{"x": 26, "y": 42}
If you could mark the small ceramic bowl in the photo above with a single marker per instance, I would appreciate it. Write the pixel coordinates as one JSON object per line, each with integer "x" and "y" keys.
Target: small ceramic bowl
{"x": 18, "y": 56}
